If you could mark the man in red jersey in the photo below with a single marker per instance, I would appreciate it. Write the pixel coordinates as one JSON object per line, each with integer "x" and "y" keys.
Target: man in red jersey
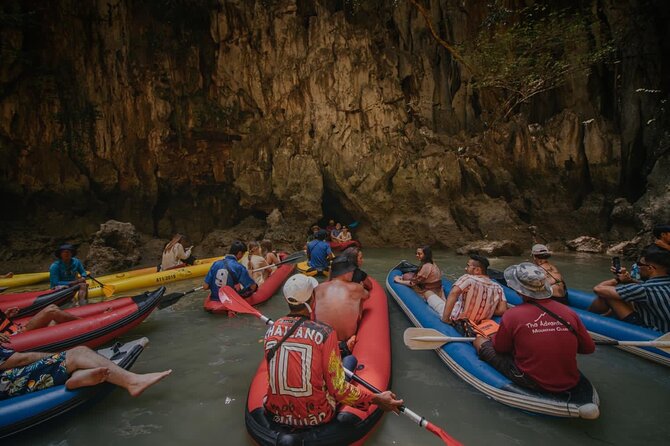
{"x": 537, "y": 343}
{"x": 305, "y": 373}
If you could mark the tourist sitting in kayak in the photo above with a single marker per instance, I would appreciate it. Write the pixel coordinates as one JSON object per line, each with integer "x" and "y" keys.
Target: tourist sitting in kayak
{"x": 330, "y": 226}
{"x": 305, "y": 374}
{"x": 355, "y": 256}
{"x": 174, "y": 253}
{"x": 319, "y": 253}
{"x": 50, "y": 315}
{"x": 312, "y": 234}
{"x": 540, "y": 255}
{"x": 662, "y": 237}
{"x": 228, "y": 271}
{"x": 537, "y": 342}
{"x": 335, "y": 232}
{"x": 269, "y": 253}
{"x": 63, "y": 272}
{"x": 473, "y": 298}
{"x": 26, "y": 372}
{"x": 645, "y": 303}
{"x": 428, "y": 280}
{"x": 344, "y": 236}
{"x": 339, "y": 301}
{"x": 254, "y": 261}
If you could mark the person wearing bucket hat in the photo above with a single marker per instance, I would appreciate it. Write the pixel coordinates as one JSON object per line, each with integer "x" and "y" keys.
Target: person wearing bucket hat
{"x": 540, "y": 256}
{"x": 340, "y": 301}
{"x": 300, "y": 350}
{"x": 537, "y": 342}
{"x": 63, "y": 272}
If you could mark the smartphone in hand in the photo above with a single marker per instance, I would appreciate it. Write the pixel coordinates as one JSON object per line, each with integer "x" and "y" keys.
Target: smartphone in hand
{"x": 616, "y": 264}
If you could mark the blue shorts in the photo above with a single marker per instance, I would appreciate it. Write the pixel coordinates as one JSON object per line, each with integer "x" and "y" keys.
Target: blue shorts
{"x": 47, "y": 372}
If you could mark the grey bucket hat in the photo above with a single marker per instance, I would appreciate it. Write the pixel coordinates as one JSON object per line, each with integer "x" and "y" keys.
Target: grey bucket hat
{"x": 529, "y": 280}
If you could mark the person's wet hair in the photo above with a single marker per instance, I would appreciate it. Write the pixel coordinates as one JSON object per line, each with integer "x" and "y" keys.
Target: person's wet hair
{"x": 482, "y": 262}
{"x": 236, "y": 247}
{"x": 427, "y": 254}
{"x": 660, "y": 229}
{"x": 657, "y": 257}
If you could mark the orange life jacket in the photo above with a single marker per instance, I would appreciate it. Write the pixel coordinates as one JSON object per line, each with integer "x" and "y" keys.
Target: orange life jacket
{"x": 6, "y": 325}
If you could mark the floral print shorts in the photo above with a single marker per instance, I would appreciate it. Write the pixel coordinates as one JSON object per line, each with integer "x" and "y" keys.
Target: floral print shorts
{"x": 47, "y": 372}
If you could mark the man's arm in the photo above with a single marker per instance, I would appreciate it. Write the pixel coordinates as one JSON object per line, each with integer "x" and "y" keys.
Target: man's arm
{"x": 451, "y": 301}
{"x": 500, "y": 308}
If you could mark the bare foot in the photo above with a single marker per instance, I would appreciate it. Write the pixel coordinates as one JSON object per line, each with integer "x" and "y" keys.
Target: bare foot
{"x": 85, "y": 378}
{"x": 142, "y": 382}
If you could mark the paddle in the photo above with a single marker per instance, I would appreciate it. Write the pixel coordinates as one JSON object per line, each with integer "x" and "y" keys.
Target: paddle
{"x": 233, "y": 302}
{"x": 430, "y": 339}
{"x": 107, "y": 290}
{"x": 291, "y": 258}
{"x": 172, "y": 298}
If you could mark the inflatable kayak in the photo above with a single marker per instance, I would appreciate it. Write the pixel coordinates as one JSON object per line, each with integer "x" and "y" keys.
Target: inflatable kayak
{"x": 25, "y": 411}
{"x": 604, "y": 328}
{"x": 31, "y": 303}
{"x": 24, "y": 279}
{"x": 462, "y": 359}
{"x": 151, "y": 280}
{"x": 117, "y": 277}
{"x": 341, "y": 246}
{"x": 304, "y": 268}
{"x": 350, "y": 426}
{"x": 99, "y": 323}
{"x": 263, "y": 293}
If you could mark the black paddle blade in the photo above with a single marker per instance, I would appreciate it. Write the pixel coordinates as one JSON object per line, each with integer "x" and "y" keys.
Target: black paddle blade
{"x": 173, "y": 298}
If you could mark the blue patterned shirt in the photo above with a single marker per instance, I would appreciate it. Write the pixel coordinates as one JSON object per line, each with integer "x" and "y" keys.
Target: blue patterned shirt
{"x": 62, "y": 274}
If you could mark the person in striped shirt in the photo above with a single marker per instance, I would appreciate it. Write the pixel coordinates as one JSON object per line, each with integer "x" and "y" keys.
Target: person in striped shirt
{"x": 474, "y": 296}
{"x": 646, "y": 303}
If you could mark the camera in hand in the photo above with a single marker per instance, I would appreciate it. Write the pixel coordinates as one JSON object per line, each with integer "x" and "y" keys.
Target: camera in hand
{"x": 616, "y": 263}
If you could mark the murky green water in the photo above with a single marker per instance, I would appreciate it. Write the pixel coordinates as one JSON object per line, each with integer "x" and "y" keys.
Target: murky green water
{"x": 214, "y": 359}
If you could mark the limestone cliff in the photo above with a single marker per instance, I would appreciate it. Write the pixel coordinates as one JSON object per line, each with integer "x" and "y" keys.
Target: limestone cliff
{"x": 192, "y": 115}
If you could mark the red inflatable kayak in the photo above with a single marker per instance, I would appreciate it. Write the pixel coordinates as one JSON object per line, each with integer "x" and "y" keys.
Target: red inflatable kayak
{"x": 263, "y": 293}
{"x": 341, "y": 246}
{"x": 350, "y": 426}
{"x": 99, "y": 324}
{"x": 31, "y": 303}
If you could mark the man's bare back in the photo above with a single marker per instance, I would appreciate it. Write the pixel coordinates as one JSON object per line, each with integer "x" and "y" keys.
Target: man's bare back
{"x": 339, "y": 304}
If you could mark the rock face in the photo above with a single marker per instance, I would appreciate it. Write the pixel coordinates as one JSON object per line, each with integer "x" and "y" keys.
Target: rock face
{"x": 491, "y": 248}
{"x": 586, "y": 244}
{"x": 192, "y": 116}
{"x": 115, "y": 247}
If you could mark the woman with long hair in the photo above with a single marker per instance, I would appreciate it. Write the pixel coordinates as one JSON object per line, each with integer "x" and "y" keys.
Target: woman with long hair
{"x": 255, "y": 261}
{"x": 270, "y": 255}
{"x": 428, "y": 280}
{"x": 174, "y": 253}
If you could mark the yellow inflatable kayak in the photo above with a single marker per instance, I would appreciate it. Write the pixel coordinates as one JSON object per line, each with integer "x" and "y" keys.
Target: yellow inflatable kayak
{"x": 113, "y": 278}
{"x": 307, "y": 270}
{"x": 24, "y": 279}
{"x": 149, "y": 280}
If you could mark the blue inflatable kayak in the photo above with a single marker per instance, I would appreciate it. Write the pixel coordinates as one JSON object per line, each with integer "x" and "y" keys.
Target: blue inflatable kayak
{"x": 462, "y": 359}
{"x": 25, "y": 411}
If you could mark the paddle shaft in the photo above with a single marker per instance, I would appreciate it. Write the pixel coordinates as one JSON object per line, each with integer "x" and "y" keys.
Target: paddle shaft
{"x": 289, "y": 259}
{"x": 173, "y": 298}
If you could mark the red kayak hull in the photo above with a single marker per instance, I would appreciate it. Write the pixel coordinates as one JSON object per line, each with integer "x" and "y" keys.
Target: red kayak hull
{"x": 263, "y": 293}
{"x": 99, "y": 323}
{"x": 373, "y": 351}
{"x": 341, "y": 246}
{"x": 31, "y": 303}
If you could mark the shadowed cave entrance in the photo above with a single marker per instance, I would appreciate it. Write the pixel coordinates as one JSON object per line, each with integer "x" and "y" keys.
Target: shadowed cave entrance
{"x": 333, "y": 208}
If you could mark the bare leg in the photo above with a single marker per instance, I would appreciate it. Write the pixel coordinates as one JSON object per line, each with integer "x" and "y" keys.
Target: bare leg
{"x": 49, "y": 315}
{"x": 83, "y": 358}
{"x": 86, "y": 378}
{"x": 599, "y": 305}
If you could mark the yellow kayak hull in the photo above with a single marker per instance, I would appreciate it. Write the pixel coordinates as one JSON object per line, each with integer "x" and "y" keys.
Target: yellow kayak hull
{"x": 307, "y": 270}
{"x": 151, "y": 280}
{"x": 24, "y": 279}
{"x": 117, "y": 277}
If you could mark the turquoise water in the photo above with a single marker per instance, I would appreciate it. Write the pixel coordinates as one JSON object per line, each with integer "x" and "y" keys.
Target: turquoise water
{"x": 215, "y": 357}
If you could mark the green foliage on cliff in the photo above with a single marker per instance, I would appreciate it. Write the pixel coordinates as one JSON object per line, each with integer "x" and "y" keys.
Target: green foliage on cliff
{"x": 524, "y": 52}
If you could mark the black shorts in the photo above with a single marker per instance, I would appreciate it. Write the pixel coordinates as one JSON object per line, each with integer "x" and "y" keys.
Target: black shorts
{"x": 505, "y": 364}
{"x": 635, "y": 319}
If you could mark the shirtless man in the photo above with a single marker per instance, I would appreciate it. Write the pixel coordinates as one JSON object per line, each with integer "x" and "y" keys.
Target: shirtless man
{"x": 540, "y": 254}
{"x": 339, "y": 301}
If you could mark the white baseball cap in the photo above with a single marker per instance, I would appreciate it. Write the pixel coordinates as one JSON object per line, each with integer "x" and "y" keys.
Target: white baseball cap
{"x": 298, "y": 289}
